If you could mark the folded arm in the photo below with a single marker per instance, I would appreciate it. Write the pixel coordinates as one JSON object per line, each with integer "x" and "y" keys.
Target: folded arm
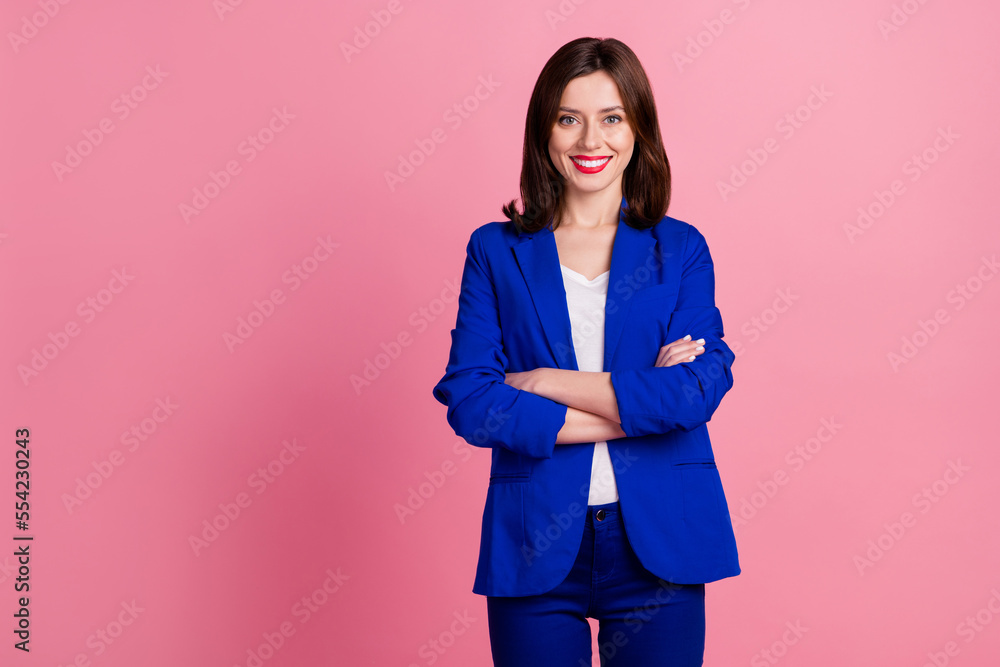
{"x": 684, "y": 387}
{"x": 682, "y": 396}
{"x": 584, "y": 390}
{"x": 482, "y": 408}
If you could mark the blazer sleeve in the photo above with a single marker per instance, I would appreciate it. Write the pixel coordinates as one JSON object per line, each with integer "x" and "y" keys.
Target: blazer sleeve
{"x": 482, "y": 408}
{"x": 683, "y": 396}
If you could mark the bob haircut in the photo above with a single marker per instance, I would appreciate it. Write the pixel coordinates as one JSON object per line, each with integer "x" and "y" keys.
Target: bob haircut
{"x": 646, "y": 179}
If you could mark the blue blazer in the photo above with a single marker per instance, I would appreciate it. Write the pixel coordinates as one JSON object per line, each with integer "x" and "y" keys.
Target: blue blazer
{"x": 513, "y": 316}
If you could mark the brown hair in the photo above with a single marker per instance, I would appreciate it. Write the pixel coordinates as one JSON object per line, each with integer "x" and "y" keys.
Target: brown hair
{"x": 646, "y": 179}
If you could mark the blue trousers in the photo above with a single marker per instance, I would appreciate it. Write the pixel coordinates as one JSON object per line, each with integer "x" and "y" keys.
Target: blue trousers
{"x": 644, "y": 620}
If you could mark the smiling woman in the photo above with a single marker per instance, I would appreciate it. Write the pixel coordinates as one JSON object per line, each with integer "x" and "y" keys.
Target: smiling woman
{"x": 604, "y": 495}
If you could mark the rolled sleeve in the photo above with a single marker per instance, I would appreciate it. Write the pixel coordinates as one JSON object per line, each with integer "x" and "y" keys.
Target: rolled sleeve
{"x": 482, "y": 408}
{"x": 686, "y": 395}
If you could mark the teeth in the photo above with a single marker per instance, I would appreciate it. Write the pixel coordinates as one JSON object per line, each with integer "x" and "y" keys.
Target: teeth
{"x": 590, "y": 163}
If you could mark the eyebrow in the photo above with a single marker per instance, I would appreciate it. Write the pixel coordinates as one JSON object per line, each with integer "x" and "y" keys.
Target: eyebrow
{"x": 605, "y": 110}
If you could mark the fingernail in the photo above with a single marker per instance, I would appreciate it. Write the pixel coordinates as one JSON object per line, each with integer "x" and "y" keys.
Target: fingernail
{"x": 700, "y": 348}
{"x": 691, "y": 358}
{"x": 701, "y": 341}
{"x": 688, "y": 337}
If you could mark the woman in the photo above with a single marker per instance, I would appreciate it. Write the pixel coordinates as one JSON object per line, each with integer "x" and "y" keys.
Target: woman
{"x": 588, "y": 356}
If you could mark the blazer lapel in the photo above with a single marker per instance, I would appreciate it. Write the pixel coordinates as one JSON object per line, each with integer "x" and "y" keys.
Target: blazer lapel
{"x": 629, "y": 254}
{"x": 538, "y": 259}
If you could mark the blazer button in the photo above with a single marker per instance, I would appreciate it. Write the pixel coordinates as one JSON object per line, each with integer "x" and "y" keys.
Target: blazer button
{"x": 599, "y": 515}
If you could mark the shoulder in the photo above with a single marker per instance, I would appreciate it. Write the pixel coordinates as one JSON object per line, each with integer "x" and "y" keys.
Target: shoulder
{"x": 493, "y": 236}
{"x": 678, "y": 235}
{"x": 496, "y": 231}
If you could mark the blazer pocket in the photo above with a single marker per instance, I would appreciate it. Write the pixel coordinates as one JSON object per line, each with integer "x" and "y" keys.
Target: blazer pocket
{"x": 509, "y": 477}
{"x": 509, "y": 466}
{"x": 695, "y": 463}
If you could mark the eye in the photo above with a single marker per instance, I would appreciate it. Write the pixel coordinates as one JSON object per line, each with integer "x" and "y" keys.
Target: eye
{"x": 617, "y": 119}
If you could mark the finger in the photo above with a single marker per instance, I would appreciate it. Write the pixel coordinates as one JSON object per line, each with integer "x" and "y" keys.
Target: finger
{"x": 685, "y": 356}
{"x": 685, "y": 349}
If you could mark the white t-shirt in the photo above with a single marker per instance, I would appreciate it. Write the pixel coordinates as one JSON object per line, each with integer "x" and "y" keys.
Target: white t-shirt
{"x": 586, "y": 299}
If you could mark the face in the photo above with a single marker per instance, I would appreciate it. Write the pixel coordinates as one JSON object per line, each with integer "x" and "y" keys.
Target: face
{"x": 592, "y": 141}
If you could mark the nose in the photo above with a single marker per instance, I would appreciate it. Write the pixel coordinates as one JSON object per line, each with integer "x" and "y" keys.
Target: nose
{"x": 591, "y": 137}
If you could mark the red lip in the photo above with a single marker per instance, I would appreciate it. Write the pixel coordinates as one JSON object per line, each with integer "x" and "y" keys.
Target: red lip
{"x": 590, "y": 170}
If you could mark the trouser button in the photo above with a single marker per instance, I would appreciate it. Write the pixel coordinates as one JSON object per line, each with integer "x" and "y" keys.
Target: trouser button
{"x": 599, "y": 515}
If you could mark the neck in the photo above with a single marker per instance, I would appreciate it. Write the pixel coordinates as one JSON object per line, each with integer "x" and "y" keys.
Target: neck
{"x": 589, "y": 209}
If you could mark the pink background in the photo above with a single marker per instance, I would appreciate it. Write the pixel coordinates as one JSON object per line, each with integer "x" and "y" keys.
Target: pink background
{"x": 392, "y": 257}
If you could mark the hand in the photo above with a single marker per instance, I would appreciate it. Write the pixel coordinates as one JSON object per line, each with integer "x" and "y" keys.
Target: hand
{"x": 680, "y": 351}
{"x": 526, "y": 380}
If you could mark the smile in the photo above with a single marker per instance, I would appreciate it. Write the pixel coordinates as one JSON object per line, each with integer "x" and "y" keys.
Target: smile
{"x": 592, "y": 165}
